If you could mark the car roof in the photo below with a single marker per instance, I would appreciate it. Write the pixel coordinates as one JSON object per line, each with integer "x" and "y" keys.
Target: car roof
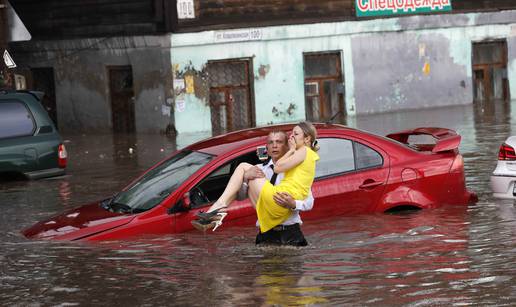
{"x": 36, "y": 94}
{"x": 225, "y": 143}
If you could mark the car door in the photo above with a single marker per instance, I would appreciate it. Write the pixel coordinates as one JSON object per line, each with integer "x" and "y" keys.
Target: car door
{"x": 350, "y": 177}
{"x": 207, "y": 189}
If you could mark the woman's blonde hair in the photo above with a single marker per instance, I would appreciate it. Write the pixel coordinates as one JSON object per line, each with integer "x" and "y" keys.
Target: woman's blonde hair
{"x": 310, "y": 131}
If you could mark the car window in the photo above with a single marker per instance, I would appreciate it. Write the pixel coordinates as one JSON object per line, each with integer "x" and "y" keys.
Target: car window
{"x": 221, "y": 171}
{"x": 366, "y": 157}
{"x": 158, "y": 183}
{"x": 15, "y": 120}
{"x": 336, "y": 156}
{"x": 211, "y": 187}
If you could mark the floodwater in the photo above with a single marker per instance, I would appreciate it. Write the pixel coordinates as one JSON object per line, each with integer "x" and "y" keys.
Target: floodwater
{"x": 453, "y": 256}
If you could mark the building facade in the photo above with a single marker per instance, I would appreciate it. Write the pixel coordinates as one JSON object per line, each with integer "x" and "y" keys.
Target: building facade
{"x": 343, "y": 68}
{"x": 217, "y": 66}
{"x": 104, "y": 65}
{"x": 118, "y": 84}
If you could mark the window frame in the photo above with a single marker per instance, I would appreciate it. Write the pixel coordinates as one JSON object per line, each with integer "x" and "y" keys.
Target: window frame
{"x": 355, "y": 157}
{"x": 324, "y": 103}
{"x": 32, "y": 118}
{"x": 339, "y": 173}
{"x": 232, "y": 160}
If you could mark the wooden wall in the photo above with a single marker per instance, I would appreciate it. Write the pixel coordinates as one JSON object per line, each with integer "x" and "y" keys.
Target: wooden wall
{"x": 58, "y": 19}
{"x": 220, "y": 14}
{"x": 482, "y": 5}
{"x": 3, "y": 25}
{"x": 236, "y": 13}
{"x": 5, "y": 74}
{"x": 84, "y": 18}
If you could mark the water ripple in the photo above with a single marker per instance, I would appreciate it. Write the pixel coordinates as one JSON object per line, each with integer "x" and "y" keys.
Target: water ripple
{"x": 453, "y": 256}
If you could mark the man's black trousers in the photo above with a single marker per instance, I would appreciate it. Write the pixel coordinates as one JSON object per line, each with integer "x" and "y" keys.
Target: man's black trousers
{"x": 282, "y": 235}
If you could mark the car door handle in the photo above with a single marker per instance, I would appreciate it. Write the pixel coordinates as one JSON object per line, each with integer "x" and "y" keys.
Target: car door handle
{"x": 369, "y": 184}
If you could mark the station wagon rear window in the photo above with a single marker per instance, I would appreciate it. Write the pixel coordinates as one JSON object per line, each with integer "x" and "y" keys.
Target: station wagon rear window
{"x": 15, "y": 120}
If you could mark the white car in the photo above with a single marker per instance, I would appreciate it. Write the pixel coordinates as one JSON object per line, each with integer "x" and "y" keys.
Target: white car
{"x": 503, "y": 179}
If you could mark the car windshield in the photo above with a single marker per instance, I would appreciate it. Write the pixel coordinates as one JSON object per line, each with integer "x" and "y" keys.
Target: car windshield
{"x": 160, "y": 182}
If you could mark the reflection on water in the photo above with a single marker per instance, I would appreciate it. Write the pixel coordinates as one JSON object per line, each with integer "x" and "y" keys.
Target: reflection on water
{"x": 449, "y": 256}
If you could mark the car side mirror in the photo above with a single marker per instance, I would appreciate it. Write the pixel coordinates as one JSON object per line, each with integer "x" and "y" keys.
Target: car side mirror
{"x": 183, "y": 205}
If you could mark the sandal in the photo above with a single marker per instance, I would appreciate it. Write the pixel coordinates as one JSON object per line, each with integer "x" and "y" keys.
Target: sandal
{"x": 209, "y": 216}
{"x": 202, "y": 225}
{"x": 214, "y": 222}
{"x": 218, "y": 222}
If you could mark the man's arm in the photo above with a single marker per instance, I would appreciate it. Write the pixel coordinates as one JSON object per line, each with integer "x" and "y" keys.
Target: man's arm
{"x": 287, "y": 201}
{"x": 252, "y": 173}
{"x": 307, "y": 204}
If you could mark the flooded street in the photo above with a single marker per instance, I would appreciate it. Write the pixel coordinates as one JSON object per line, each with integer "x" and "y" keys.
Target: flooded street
{"x": 455, "y": 255}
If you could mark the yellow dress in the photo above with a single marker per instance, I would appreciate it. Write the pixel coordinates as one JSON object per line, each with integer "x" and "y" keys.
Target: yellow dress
{"x": 297, "y": 182}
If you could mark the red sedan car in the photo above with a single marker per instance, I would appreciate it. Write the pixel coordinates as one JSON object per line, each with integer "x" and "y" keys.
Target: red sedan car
{"x": 358, "y": 172}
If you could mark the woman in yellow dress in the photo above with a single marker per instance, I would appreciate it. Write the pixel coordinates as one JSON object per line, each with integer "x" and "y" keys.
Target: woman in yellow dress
{"x": 298, "y": 164}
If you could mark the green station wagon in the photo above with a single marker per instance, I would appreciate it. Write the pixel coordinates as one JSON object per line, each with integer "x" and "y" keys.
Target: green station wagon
{"x": 30, "y": 145}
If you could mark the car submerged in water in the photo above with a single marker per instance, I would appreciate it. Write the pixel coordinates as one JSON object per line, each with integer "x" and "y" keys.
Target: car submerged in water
{"x": 358, "y": 172}
{"x": 30, "y": 146}
{"x": 503, "y": 178}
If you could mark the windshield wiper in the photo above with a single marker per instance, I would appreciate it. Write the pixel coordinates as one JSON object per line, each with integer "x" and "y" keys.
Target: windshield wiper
{"x": 106, "y": 203}
{"x": 123, "y": 208}
{"x": 110, "y": 205}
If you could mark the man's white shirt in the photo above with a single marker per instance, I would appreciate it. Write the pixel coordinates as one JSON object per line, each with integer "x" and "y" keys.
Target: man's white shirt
{"x": 301, "y": 205}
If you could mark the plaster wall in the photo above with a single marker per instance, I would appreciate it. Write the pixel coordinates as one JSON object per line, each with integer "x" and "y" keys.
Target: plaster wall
{"x": 388, "y": 64}
{"x": 82, "y": 85}
{"x": 277, "y": 77}
{"x": 409, "y": 70}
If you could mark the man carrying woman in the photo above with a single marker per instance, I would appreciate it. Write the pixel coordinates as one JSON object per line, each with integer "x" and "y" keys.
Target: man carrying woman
{"x": 288, "y": 232}
{"x": 298, "y": 164}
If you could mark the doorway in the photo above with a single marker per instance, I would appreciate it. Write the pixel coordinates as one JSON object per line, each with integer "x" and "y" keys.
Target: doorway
{"x": 122, "y": 98}
{"x": 43, "y": 80}
{"x": 231, "y": 103}
{"x": 324, "y": 87}
{"x": 490, "y": 71}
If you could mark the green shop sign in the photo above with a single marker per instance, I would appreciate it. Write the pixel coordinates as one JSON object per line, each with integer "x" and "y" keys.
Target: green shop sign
{"x": 368, "y": 8}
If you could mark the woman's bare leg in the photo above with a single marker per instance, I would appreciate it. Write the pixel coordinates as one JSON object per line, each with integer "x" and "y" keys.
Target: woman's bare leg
{"x": 229, "y": 194}
{"x": 234, "y": 184}
{"x": 255, "y": 187}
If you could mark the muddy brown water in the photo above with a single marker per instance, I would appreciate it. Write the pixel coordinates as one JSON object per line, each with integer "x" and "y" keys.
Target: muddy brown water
{"x": 456, "y": 255}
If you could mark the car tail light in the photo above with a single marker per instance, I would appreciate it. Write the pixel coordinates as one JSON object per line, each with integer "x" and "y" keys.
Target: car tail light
{"x": 457, "y": 165}
{"x": 506, "y": 153}
{"x": 62, "y": 156}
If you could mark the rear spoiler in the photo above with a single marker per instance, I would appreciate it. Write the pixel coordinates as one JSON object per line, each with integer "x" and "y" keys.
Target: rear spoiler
{"x": 446, "y": 139}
